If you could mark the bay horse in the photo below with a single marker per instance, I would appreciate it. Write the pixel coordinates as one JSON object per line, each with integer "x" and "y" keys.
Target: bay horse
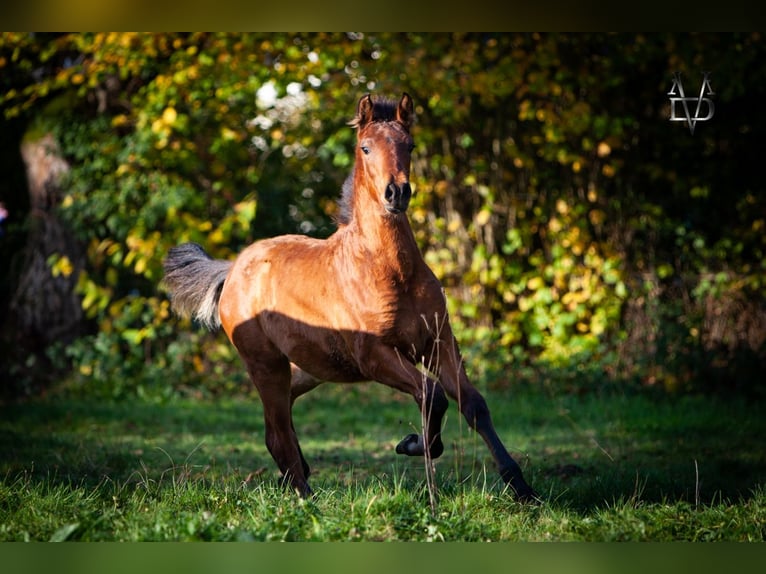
{"x": 361, "y": 305}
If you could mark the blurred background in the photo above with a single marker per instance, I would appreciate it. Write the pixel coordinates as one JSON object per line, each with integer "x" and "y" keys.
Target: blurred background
{"x": 583, "y": 239}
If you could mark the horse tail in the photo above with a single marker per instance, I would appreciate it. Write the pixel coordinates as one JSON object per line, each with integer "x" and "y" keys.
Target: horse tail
{"x": 194, "y": 281}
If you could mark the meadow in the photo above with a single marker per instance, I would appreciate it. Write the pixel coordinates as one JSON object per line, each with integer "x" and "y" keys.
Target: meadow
{"x": 611, "y": 465}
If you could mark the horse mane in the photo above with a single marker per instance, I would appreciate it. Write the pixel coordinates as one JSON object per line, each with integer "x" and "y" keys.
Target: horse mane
{"x": 383, "y": 110}
{"x": 343, "y": 216}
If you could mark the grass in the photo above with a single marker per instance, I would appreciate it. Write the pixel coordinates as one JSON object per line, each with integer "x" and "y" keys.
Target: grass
{"x": 611, "y": 466}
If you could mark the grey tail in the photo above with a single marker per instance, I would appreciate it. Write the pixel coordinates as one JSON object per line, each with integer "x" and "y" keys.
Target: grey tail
{"x": 194, "y": 281}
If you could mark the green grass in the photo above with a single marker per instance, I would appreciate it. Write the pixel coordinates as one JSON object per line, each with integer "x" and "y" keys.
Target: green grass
{"x": 611, "y": 466}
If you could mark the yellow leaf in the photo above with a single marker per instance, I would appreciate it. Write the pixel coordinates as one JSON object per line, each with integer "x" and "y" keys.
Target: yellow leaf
{"x": 217, "y": 236}
{"x": 169, "y": 115}
{"x": 228, "y": 134}
{"x": 62, "y": 267}
{"x": 245, "y": 211}
{"x": 535, "y": 283}
{"x": 483, "y": 217}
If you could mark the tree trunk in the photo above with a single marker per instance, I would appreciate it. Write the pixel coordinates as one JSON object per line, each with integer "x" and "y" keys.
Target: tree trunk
{"x": 44, "y": 307}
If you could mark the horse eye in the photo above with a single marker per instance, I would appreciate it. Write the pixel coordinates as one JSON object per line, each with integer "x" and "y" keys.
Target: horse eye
{"x": 365, "y": 149}
{"x": 411, "y": 147}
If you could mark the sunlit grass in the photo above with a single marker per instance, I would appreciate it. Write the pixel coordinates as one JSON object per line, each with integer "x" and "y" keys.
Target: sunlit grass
{"x": 610, "y": 467}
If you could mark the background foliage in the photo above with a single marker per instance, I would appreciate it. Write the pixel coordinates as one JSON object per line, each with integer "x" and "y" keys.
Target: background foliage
{"x": 572, "y": 224}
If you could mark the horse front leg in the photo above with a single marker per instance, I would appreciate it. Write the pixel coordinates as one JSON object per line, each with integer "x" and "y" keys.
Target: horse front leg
{"x": 475, "y": 410}
{"x": 392, "y": 369}
{"x": 433, "y": 404}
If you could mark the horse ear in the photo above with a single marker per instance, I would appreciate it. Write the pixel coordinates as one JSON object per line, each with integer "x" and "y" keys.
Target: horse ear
{"x": 364, "y": 111}
{"x": 404, "y": 110}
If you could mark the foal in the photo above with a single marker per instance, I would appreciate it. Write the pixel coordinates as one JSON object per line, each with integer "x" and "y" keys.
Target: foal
{"x": 361, "y": 305}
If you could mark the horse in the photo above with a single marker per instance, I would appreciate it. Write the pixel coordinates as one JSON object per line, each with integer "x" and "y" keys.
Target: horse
{"x": 360, "y": 305}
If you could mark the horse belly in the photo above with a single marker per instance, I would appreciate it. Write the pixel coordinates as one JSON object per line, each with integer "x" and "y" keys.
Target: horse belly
{"x": 325, "y": 359}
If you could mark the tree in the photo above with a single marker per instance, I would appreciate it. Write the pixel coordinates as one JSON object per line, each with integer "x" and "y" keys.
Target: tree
{"x": 570, "y": 221}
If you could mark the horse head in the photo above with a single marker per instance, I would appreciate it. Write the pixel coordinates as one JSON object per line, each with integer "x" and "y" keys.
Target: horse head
{"x": 383, "y": 152}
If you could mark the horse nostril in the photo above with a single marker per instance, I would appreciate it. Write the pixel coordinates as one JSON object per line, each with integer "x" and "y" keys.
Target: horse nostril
{"x": 397, "y": 197}
{"x": 391, "y": 192}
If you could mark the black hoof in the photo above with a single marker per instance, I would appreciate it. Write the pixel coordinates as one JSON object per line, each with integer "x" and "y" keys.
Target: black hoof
{"x": 527, "y": 495}
{"x": 523, "y": 493}
{"x": 411, "y": 445}
{"x": 302, "y": 489}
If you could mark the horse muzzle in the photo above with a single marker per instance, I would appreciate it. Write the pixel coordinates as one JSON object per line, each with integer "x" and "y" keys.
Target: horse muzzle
{"x": 397, "y": 197}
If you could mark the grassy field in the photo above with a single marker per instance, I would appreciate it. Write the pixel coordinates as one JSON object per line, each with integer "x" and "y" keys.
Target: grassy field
{"x": 611, "y": 466}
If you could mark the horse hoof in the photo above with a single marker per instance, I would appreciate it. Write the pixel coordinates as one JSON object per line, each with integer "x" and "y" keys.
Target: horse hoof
{"x": 527, "y": 495}
{"x": 411, "y": 445}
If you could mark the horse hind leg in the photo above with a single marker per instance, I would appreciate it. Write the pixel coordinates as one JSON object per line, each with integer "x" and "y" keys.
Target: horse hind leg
{"x": 282, "y": 443}
{"x": 272, "y": 379}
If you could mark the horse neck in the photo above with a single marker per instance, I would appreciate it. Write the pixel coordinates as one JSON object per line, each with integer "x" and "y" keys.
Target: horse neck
{"x": 387, "y": 241}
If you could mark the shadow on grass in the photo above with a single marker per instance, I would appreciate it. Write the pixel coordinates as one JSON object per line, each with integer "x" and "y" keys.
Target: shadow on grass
{"x": 82, "y": 442}
{"x": 580, "y": 452}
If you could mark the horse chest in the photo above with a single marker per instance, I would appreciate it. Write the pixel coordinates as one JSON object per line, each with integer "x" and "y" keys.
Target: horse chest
{"x": 418, "y": 312}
